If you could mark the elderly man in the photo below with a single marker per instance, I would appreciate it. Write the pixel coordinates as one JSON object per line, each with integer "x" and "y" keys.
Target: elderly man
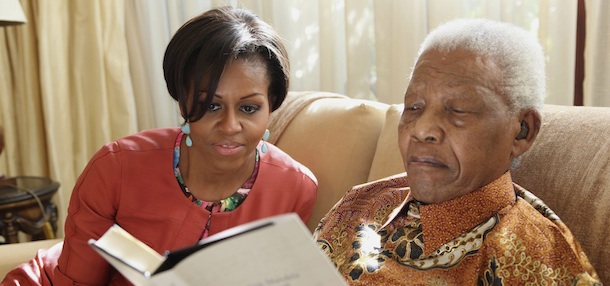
{"x": 455, "y": 217}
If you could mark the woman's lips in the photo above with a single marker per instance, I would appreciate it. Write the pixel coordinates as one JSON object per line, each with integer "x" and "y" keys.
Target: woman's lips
{"x": 228, "y": 149}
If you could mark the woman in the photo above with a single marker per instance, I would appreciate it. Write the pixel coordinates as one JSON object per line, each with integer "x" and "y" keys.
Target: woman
{"x": 171, "y": 187}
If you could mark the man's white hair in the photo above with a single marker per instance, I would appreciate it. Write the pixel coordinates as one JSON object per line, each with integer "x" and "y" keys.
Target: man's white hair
{"x": 515, "y": 50}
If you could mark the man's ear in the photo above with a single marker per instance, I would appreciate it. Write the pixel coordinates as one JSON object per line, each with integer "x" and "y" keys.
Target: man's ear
{"x": 529, "y": 126}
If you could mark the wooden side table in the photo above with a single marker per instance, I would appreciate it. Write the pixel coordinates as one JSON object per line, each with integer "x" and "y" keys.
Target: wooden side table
{"x": 25, "y": 205}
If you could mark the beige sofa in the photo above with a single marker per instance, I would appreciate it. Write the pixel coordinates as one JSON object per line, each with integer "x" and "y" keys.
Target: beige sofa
{"x": 349, "y": 141}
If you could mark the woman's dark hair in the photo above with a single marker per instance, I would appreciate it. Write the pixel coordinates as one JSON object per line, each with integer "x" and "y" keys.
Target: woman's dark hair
{"x": 204, "y": 45}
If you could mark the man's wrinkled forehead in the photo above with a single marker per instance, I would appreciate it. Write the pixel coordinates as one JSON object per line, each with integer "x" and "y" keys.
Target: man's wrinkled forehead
{"x": 454, "y": 68}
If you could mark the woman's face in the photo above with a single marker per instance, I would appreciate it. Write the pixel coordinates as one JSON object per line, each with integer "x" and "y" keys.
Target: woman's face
{"x": 456, "y": 133}
{"x": 236, "y": 119}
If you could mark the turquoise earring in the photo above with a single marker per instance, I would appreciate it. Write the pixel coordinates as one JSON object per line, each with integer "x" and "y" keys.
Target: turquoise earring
{"x": 186, "y": 129}
{"x": 265, "y": 138}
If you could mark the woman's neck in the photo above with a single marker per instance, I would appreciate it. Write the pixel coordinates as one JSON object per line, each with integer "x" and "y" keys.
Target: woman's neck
{"x": 207, "y": 182}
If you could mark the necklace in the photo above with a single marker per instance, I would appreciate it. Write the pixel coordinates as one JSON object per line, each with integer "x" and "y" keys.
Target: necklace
{"x": 225, "y": 205}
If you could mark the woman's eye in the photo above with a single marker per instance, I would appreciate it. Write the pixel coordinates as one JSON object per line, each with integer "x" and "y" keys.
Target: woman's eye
{"x": 213, "y": 107}
{"x": 249, "y": 109}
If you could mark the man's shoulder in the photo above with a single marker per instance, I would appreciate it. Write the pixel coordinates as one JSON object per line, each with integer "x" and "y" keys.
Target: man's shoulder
{"x": 525, "y": 235}
{"x": 368, "y": 203}
{"x": 529, "y": 214}
{"x": 392, "y": 188}
{"x": 534, "y": 228}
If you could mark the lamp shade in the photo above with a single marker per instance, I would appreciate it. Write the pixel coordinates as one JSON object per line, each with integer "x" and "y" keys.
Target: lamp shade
{"x": 11, "y": 13}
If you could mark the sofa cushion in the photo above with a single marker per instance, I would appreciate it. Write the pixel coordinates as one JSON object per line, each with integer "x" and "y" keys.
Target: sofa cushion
{"x": 388, "y": 160}
{"x": 335, "y": 138}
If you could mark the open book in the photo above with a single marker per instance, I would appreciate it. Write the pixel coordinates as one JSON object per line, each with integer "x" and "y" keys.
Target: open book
{"x": 277, "y": 250}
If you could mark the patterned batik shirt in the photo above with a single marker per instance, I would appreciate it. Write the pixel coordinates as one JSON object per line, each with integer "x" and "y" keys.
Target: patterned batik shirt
{"x": 498, "y": 235}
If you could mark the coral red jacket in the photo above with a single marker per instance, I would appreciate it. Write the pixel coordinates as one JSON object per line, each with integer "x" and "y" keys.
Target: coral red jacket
{"x": 131, "y": 182}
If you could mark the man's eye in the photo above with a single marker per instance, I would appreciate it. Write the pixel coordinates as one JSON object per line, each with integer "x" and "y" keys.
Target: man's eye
{"x": 249, "y": 109}
{"x": 412, "y": 108}
{"x": 457, "y": 110}
{"x": 213, "y": 107}
{"x": 410, "y": 113}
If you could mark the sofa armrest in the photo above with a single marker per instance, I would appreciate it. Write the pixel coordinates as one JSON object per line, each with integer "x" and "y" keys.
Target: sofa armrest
{"x": 17, "y": 253}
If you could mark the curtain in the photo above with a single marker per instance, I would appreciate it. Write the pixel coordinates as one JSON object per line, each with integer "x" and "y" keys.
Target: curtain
{"x": 82, "y": 73}
{"x": 596, "y": 87}
{"x": 365, "y": 48}
{"x": 66, "y": 89}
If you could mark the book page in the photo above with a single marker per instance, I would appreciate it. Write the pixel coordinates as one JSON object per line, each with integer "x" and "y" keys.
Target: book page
{"x": 281, "y": 254}
{"x": 123, "y": 246}
{"x": 134, "y": 276}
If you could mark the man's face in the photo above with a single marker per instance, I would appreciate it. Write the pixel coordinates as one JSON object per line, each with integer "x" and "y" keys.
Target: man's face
{"x": 455, "y": 132}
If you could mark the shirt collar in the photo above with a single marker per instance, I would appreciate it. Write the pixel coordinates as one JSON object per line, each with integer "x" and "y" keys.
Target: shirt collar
{"x": 445, "y": 221}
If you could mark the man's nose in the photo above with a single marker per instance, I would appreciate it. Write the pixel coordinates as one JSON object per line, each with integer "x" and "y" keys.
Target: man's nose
{"x": 427, "y": 128}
